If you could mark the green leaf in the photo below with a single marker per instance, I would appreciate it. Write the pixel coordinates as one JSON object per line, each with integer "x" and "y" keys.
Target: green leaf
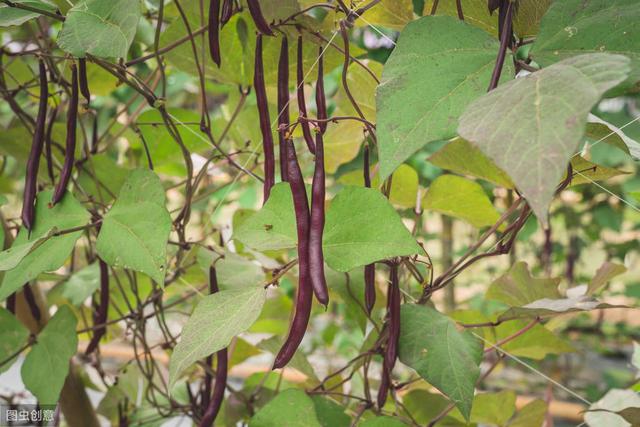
{"x": 549, "y": 110}
{"x": 362, "y": 227}
{"x": 383, "y": 421}
{"x": 603, "y": 412}
{"x": 49, "y": 255}
{"x": 13, "y": 335}
{"x": 425, "y": 406}
{"x": 290, "y": 408}
{"x": 518, "y": 287}
{"x": 572, "y": 27}
{"x": 102, "y": 28}
{"x": 493, "y": 408}
{"x": 135, "y": 231}
{"x": 404, "y": 186}
{"x": 11, "y": 257}
{"x": 445, "y": 357}
{"x": 460, "y": 198}
{"x": 272, "y": 227}
{"x": 535, "y": 344}
{"x": 101, "y": 177}
{"x": 456, "y": 59}
{"x": 589, "y": 172}
{"x": 533, "y": 414}
{"x": 298, "y": 362}
{"x": 329, "y": 413}
{"x": 605, "y": 273}
{"x": 82, "y": 284}
{"x": 46, "y": 366}
{"x": 13, "y": 16}
{"x": 215, "y": 321}
{"x": 461, "y": 157}
{"x": 393, "y": 14}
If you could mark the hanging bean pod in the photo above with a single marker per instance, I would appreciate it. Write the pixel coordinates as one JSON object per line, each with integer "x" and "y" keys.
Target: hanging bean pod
{"x": 316, "y": 256}
{"x": 258, "y": 17}
{"x": 321, "y": 99}
{"x": 302, "y": 106}
{"x": 83, "y": 80}
{"x": 37, "y": 145}
{"x": 265, "y": 126}
{"x": 227, "y": 12}
{"x": 283, "y": 106}
{"x": 100, "y": 318}
{"x": 214, "y": 31}
{"x": 370, "y": 269}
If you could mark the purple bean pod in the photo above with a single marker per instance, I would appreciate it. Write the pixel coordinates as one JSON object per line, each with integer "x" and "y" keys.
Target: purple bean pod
{"x": 37, "y": 145}
{"x": 227, "y": 12}
{"x": 302, "y": 106}
{"x": 265, "y": 125}
{"x": 100, "y": 318}
{"x": 214, "y": 31}
{"x": 214, "y": 402}
{"x": 258, "y": 17}
{"x": 370, "y": 269}
{"x": 316, "y": 256}
{"x": 304, "y": 297}
{"x": 48, "y": 143}
{"x": 393, "y": 319}
{"x": 70, "y": 148}
{"x": 83, "y": 80}
{"x": 283, "y": 106}
{"x": 321, "y": 99}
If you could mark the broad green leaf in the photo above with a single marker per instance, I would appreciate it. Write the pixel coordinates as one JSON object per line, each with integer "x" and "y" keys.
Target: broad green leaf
{"x": 536, "y": 343}
{"x": 46, "y": 366}
{"x": 135, "y": 231}
{"x": 404, "y": 185}
{"x": 13, "y": 335}
{"x": 362, "y": 227}
{"x": 329, "y": 413}
{"x": 393, "y": 14}
{"x": 572, "y": 27}
{"x": 240, "y": 351}
{"x": 215, "y": 321}
{"x": 445, "y": 357}
{"x": 455, "y": 59}
{"x": 550, "y": 109}
{"x": 13, "y": 16}
{"x": 585, "y": 171}
{"x": 526, "y": 21}
{"x": 362, "y": 86}
{"x": 342, "y": 143}
{"x": 272, "y": 227}
{"x": 603, "y": 412}
{"x": 461, "y": 198}
{"x": 82, "y": 284}
{"x": 599, "y": 131}
{"x": 350, "y": 288}
{"x": 425, "y": 406}
{"x": 234, "y": 271}
{"x": 605, "y": 273}
{"x": 518, "y": 287}
{"x": 101, "y": 169}
{"x": 298, "y": 362}
{"x": 533, "y": 414}
{"x": 383, "y": 421}
{"x": 493, "y": 408}
{"x": 11, "y": 257}
{"x": 461, "y": 157}
{"x": 102, "y": 28}
{"x": 49, "y": 255}
{"x": 290, "y": 408}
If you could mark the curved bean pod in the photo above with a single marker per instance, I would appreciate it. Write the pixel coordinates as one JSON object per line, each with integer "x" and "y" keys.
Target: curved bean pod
{"x": 302, "y": 106}
{"x": 99, "y": 320}
{"x": 304, "y": 297}
{"x": 227, "y": 12}
{"x": 393, "y": 319}
{"x": 283, "y": 106}
{"x": 33, "y": 163}
{"x": 265, "y": 126}
{"x": 369, "y": 270}
{"x": 258, "y": 17}
{"x": 321, "y": 99}
{"x": 214, "y": 31}
{"x": 316, "y": 256}
{"x": 70, "y": 147}
{"x": 83, "y": 81}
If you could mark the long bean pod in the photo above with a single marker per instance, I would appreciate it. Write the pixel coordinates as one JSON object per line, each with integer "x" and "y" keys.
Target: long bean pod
{"x": 70, "y": 147}
{"x": 214, "y": 31}
{"x": 304, "y": 296}
{"x": 83, "y": 80}
{"x": 383, "y": 390}
{"x": 316, "y": 256}
{"x": 214, "y": 402}
{"x": 265, "y": 126}
{"x": 48, "y": 154}
{"x": 321, "y": 99}
{"x": 37, "y": 144}
{"x": 283, "y": 106}
{"x": 100, "y": 318}
{"x": 258, "y": 17}
{"x": 370, "y": 269}
{"x": 226, "y": 13}
{"x": 302, "y": 106}
{"x": 393, "y": 319}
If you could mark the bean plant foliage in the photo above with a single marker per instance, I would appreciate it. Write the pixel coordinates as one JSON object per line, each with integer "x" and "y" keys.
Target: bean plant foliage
{"x": 256, "y": 212}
